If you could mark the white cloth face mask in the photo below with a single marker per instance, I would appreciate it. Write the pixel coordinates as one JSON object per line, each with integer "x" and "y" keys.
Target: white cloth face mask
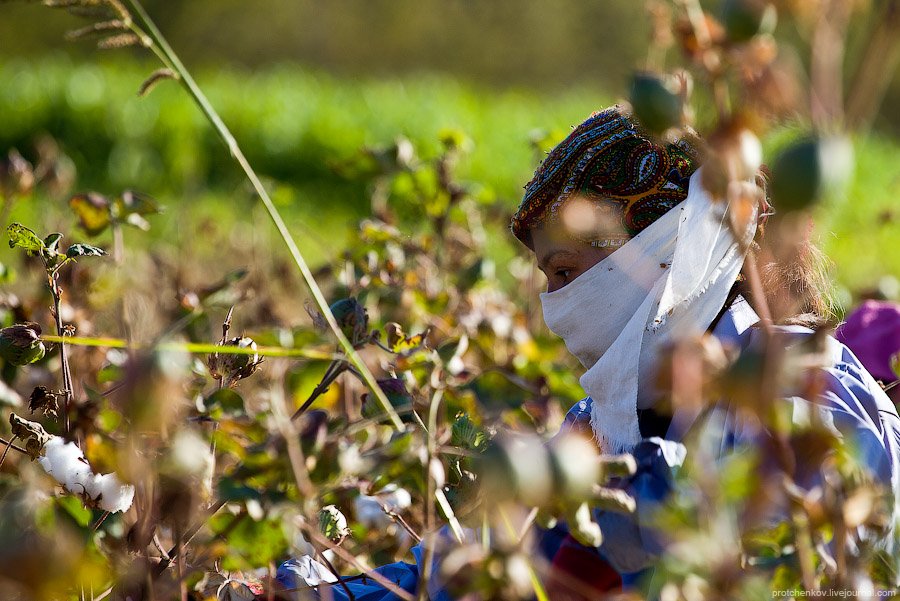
{"x": 669, "y": 281}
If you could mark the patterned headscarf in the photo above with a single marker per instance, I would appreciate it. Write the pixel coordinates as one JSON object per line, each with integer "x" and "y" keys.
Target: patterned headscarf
{"x": 628, "y": 179}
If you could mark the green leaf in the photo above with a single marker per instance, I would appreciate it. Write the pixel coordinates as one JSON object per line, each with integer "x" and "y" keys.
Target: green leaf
{"x": 21, "y": 236}
{"x": 75, "y": 509}
{"x": 226, "y": 401}
{"x": 229, "y": 489}
{"x": 251, "y": 544}
{"x": 92, "y": 210}
{"x": 84, "y": 250}
{"x": 51, "y": 242}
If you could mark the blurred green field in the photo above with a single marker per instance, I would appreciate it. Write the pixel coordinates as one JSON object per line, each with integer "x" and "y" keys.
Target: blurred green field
{"x": 296, "y": 125}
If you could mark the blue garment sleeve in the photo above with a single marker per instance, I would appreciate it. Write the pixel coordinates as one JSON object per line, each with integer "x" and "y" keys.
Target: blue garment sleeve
{"x": 853, "y": 402}
{"x": 627, "y": 544}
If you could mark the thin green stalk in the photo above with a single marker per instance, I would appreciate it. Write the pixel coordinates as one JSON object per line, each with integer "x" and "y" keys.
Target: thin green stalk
{"x": 197, "y": 348}
{"x": 187, "y": 81}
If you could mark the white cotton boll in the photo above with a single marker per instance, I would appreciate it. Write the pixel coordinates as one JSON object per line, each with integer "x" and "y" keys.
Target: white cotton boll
{"x": 112, "y": 495}
{"x": 65, "y": 462}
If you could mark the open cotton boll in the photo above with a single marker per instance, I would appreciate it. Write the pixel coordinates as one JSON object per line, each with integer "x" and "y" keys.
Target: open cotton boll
{"x": 66, "y": 463}
{"x": 111, "y": 494}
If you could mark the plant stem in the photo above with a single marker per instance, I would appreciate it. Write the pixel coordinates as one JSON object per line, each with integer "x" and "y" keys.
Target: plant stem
{"x": 6, "y": 450}
{"x": 63, "y": 352}
{"x": 100, "y": 521}
{"x": 397, "y": 518}
{"x": 187, "y": 81}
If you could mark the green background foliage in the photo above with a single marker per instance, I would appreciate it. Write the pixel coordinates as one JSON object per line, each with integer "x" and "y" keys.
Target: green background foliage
{"x": 304, "y": 130}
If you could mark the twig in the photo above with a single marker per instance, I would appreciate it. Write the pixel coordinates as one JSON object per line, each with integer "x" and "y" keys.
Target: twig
{"x": 197, "y": 348}
{"x": 826, "y": 64}
{"x": 398, "y": 519}
{"x": 6, "y": 450}
{"x": 538, "y": 588}
{"x": 338, "y": 576}
{"x": 101, "y": 520}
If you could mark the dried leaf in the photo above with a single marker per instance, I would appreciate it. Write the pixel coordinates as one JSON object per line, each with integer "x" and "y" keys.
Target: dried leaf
{"x": 32, "y": 433}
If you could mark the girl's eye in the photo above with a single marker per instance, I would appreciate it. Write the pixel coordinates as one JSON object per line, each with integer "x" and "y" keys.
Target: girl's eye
{"x": 563, "y": 273}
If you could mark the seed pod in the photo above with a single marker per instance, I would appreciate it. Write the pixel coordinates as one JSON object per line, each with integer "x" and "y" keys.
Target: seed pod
{"x": 394, "y": 333}
{"x": 16, "y": 175}
{"x": 618, "y": 465}
{"x": 233, "y": 367}
{"x": 583, "y": 527}
{"x": 20, "y": 344}
{"x": 352, "y": 318}
{"x": 395, "y": 391}
{"x": 333, "y": 524}
{"x": 517, "y": 467}
{"x": 575, "y": 466}
{"x": 656, "y": 101}
{"x": 744, "y": 19}
{"x": 810, "y": 170}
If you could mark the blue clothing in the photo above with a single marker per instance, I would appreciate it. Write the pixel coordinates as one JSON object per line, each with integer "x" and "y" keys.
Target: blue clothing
{"x": 853, "y": 404}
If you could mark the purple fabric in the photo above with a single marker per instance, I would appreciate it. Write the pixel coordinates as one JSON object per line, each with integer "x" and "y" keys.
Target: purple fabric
{"x": 872, "y": 332}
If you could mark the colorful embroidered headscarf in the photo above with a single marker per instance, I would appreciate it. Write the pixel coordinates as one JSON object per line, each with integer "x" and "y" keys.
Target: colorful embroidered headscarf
{"x": 628, "y": 179}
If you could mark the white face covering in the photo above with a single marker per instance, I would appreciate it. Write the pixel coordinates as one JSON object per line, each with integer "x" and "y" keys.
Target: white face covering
{"x": 667, "y": 282}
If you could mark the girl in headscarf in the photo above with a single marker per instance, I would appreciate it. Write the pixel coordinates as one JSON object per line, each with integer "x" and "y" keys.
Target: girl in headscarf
{"x": 637, "y": 255}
